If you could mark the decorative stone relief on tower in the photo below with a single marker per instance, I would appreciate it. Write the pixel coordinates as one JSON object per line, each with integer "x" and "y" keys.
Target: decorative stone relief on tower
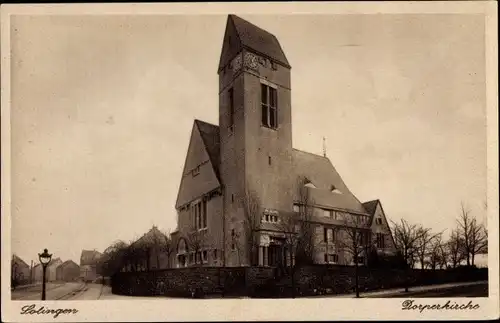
{"x": 251, "y": 61}
{"x": 237, "y": 63}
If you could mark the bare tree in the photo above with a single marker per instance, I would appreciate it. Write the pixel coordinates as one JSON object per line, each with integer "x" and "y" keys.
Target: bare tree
{"x": 406, "y": 236}
{"x": 167, "y": 246}
{"x": 161, "y": 243}
{"x": 355, "y": 240}
{"x": 423, "y": 245}
{"x": 473, "y": 235}
{"x": 478, "y": 239}
{"x": 113, "y": 258}
{"x": 195, "y": 240}
{"x": 251, "y": 222}
{"x": 289, "y": 225}
{"x": 437, "y": 254}
{"x": 454, "y": 247}
{"x": 305, "y": 248}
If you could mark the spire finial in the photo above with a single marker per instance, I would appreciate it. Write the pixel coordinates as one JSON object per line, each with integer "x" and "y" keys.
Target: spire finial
{"x": 324, "y": 146}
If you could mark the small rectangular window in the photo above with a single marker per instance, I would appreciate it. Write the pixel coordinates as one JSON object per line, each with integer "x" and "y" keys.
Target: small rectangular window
{"x": 296, "y": 208}
{"x": 269, "y": 160}
{"x": 325, "y": 234}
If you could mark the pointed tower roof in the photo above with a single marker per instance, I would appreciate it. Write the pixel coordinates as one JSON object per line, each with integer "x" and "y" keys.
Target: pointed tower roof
{"x": 241, "y": 34}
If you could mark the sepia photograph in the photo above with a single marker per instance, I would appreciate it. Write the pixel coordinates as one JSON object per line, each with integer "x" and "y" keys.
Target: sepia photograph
{"x": 249, "y": 157}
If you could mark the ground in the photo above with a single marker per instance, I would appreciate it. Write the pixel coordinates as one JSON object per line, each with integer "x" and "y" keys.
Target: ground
{"x": 85, "y": 291}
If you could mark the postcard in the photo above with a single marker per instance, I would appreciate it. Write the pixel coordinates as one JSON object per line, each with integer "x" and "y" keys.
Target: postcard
{"x": 250, "y": 161}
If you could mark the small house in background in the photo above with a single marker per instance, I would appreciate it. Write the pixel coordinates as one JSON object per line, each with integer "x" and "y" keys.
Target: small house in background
{"x": 68, "y": 271}
{"x": 20, "y": 270}
{"x": 88, "y": 264}
{"x": 37, "y": 273}
{"x": 50, "y": 274}
{"x": 52, "y": 269}
{"x": 149, "y": 252}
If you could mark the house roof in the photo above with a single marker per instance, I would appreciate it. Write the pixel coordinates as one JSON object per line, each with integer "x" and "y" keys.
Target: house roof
{"x": 210, "y": 136}
{"x": 68, "y": 262}
{"x": 154, "y": 232}
{"x": 370, "y": 206}
{"x": 56, "y": 261}
{"x": 89, "y": 257}
{"x": 243, "y": 34}
{"x": 319, "y": 171}
{"x": 18, "y": 260}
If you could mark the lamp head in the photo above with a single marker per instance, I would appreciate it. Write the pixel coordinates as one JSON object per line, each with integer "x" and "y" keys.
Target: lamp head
{"x": 45, "y": 257}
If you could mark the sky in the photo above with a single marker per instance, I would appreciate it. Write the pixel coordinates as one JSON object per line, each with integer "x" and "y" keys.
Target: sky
{"x": 103, "y": 106}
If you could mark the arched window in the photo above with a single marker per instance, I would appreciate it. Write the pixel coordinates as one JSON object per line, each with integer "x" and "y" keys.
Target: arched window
{"x": 182, "y": 246}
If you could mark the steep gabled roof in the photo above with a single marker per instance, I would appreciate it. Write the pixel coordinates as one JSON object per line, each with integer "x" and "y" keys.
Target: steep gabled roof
{"x": 210, "y": 136}
{"x": 18, "y": 260}
{"x": 320, "y": 171}
{"x": 370, "y": 206}
{"x": 241, "y": 34}
{"x": 203, "y": 148}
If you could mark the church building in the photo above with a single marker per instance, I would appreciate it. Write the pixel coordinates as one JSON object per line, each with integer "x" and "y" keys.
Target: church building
{"x": 242, "y": 179}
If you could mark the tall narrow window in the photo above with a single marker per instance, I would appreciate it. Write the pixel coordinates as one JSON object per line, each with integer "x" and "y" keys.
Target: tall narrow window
{"x": 199, "y": 216}
{"x": 231, "y": 108}
{"x": 204, "y": 214}
{"x": 269, "y": 104}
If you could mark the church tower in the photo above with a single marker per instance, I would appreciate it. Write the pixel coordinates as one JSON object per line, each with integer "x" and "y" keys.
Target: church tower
{"x": 255, "y": 132}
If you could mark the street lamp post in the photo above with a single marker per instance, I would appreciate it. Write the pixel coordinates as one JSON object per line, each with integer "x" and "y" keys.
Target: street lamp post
{"x": 45, "y": 258}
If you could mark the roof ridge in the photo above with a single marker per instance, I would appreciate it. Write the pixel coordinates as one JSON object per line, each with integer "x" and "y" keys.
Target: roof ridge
{"x": 251, "y": 24}
{"x": 310, "y": 153}
{"x": 208, "y": 123}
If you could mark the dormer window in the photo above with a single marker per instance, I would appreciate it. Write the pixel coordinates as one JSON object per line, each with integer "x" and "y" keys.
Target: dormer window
{"x": 335, "y": 190}
{"x": 196, "y": 171}
{"x": 309, "y": 184}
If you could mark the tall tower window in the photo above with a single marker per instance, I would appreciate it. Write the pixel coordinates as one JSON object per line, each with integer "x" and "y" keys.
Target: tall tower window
{"x": 231, "y": 108}
{"x": 269, "y": 103}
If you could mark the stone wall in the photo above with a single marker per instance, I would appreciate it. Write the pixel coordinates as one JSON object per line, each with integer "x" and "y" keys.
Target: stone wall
{"x": 182, "y": 282}
{"x": 269, "y": 282}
